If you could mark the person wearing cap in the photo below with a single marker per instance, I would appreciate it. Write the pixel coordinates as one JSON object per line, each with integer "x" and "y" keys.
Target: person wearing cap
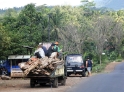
{"x": 56, "y": 46}
{"x": 59, "y": 54}
{"x": 39, "y": 52}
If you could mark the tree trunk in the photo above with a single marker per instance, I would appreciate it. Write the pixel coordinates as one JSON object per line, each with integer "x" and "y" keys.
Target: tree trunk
{"x": 100, "y": 57}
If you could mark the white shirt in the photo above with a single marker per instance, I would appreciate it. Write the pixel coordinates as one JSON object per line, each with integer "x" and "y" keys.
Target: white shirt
{"x": 41, "y": 52}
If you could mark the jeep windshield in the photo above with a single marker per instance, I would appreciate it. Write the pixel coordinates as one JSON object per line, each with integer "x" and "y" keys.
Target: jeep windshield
{"x": 75, "y": 59}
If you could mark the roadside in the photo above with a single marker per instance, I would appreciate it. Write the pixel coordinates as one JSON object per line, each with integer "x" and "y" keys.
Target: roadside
{"x": 23, "y": 85}
{"x": 110, "y": 67}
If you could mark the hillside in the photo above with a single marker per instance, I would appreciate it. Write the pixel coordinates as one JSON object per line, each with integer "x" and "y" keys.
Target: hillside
{"x": 112, "y": 4}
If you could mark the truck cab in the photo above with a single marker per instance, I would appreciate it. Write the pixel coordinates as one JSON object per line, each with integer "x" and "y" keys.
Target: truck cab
{"x": 75, "y": 64}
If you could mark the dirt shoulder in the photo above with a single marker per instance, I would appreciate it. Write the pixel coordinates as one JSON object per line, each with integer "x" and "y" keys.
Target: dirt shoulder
{"x": 23, "y": 85}
{"x": 111, "y": 66}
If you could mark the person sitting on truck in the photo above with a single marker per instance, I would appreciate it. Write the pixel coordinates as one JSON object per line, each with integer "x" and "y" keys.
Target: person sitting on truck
{"x": 59, "y": 54}
{"x": 44, "y": 48}
{"x": 52, "y": 53}
{"x": 39, "y": 53}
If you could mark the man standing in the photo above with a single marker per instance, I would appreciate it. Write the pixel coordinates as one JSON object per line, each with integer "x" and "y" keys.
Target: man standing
{"x": 89, "y": 66}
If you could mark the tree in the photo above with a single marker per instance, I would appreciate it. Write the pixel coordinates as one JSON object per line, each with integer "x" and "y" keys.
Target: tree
{"x": 29, "y": 25}
{"x": 71, "y": 39}
{"x": 4, "y": 42}
{"x": 101, "y": 33}
{"x": 11, "y": 13}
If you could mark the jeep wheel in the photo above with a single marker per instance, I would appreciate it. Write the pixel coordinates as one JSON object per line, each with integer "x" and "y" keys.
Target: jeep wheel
{"x": 83, "y": 74}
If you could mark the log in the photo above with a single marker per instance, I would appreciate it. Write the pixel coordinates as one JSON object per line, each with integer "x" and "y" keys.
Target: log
{"x": 36, "y": 66}
{"x": 4, "y": 77}
{"x": 32, "y": 66}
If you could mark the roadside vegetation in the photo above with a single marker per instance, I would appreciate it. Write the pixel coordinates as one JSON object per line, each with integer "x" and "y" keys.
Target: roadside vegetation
{"x": 93, "y": 32}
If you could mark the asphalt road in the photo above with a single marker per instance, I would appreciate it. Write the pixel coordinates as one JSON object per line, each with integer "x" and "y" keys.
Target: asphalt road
{"x": 103, "y": 82}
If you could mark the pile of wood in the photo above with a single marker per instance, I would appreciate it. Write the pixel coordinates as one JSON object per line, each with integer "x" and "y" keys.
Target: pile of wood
{"x": 43, "y": 66}
{"x": 4, "y": 77}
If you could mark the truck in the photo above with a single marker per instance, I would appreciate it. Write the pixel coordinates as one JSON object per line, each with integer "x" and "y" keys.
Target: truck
{"x": 58, "y": 75}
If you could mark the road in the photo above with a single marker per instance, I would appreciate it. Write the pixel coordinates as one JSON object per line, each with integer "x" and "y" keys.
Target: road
{"x": 103, "y": 82}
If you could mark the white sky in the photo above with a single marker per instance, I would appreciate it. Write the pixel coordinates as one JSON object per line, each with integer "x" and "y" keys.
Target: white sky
{"x": 4, "y": 4}
{"x": 18, "y": 3}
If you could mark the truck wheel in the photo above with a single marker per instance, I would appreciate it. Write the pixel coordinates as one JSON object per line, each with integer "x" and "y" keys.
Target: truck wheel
{"x": 63, "y": 82}
{"x": 32, "y": 83}
{"x": 55, "y": 83}
{"x": 83, "y": 74}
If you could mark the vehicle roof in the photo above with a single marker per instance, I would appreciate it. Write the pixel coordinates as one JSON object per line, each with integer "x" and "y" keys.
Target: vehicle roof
{"x": 19, "y": 57}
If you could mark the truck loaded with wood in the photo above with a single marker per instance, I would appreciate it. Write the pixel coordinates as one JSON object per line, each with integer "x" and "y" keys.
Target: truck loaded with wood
{"x": 44, "y": 71}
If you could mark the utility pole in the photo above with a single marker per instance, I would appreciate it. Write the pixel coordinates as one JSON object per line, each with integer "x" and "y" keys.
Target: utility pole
{"x": 49, "y": 15}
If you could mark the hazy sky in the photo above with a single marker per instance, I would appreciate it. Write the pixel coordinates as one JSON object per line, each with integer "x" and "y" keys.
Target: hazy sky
{"x": 18, "y": 3}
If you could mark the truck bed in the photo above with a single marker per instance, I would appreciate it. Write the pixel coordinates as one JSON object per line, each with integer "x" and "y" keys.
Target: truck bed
{"x": 59, "y": 71}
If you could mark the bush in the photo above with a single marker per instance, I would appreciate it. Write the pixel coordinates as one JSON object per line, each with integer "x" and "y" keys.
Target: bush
{"x": 98, "y": 68}
{"x": 118, "y": 60}
{"x": 113, "y": 55}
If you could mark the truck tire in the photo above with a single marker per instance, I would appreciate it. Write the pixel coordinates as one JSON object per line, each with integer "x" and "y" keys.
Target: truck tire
{"x": 32, "y": 83}
{"x": 63, "y": 82}
{"x": 55, "y": 83}
{"x": 83, "y": 74}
